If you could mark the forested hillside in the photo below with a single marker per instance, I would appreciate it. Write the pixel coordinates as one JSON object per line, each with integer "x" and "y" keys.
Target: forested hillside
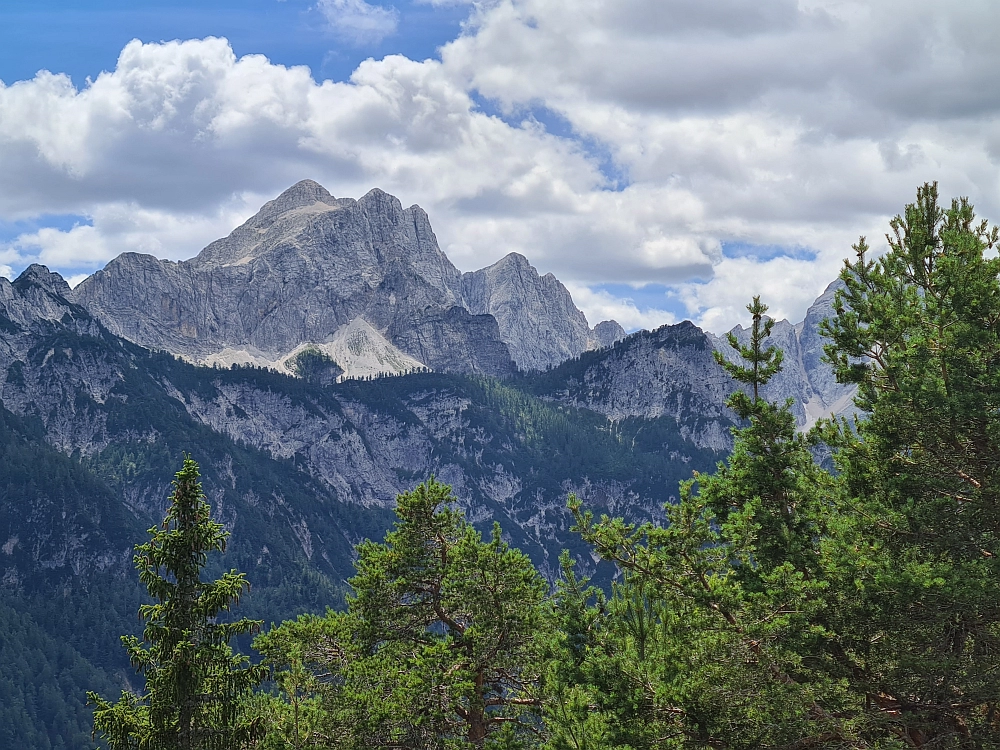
{"x": 764, "y": 602}
{"x": 298, "y": 472}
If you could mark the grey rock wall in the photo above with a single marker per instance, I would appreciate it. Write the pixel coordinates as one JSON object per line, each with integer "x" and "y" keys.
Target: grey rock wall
{"x": 536, "y": 314}
{"x": 304, "y": 266}
{"x": 308, "y": 264}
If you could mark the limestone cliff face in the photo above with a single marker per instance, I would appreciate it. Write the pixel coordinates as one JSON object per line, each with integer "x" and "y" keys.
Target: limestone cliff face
{"x": 672, "y": 372}
{"x": 307, "y": 265}
{"x": 832, "y": 396}
{"x": 536, "y": 314}
{"x": 607, "y": 332}
{"x": 667, "y": 372}
{"x": 303, "y": 267}
{"x": 295, "y": 467}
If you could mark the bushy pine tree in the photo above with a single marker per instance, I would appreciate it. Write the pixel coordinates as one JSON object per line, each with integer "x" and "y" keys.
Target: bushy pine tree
{"x": 196, "y": 690}
{"x": 438, "y": 647}
{"x": 918, "y": 329}
{"x": 715, "y": 635}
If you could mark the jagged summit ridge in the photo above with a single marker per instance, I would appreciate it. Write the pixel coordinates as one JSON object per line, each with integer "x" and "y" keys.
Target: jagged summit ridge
{"x": 536, "y": 314}
{"x": 805, "y": 377}
{"x": 308, "y": 264}
{"x": 297, "y": 272}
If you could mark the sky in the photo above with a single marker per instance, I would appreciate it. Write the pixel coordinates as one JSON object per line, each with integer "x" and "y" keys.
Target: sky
{"x": 665, "y": 159}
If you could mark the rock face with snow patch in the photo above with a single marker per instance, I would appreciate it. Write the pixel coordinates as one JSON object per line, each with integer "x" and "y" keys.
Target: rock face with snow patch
{"x": 306, "y": 265}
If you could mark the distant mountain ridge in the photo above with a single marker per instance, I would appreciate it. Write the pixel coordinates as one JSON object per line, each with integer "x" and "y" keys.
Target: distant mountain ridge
{"x": 364, "y": 284}
{"x": 805, "y": 377}
{"x": 307, "y": 265}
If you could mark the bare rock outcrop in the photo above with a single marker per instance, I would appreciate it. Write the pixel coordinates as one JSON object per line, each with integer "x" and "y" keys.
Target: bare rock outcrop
{"x": 536, "y": 314}
{"x": 304, "y": 266}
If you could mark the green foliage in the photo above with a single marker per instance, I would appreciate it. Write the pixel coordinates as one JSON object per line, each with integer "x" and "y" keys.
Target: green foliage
{"x": 437, "y": 647}
{"x": 762, "y": 364}
{"x": 715, "y": 635}
{"x": 196, "y": 688}
{"x": 783, "y": 606}
{"x": 42, "y": 683}
{"x": 918, "y": 329}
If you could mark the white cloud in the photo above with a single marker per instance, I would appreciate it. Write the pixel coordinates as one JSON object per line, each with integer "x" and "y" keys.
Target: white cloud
{"x": 776, "y": 123}
{"x": 119, "y": 228}
{"x": 76, "y": 279}
{"x": 358, "y": 21}
{"x": 599, "y": 305}
{"x": 6, "y": 272}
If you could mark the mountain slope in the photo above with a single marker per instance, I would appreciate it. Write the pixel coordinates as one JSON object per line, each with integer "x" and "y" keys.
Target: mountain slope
{"x": 536, "y": 314}
{"x": 298, "y": 271}
{"x": 94, "y": 427}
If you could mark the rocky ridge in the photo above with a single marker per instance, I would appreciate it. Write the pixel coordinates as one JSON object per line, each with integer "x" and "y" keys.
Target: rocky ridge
{"x": 308, "y": 266}
{"x": 671, "y": 371}
{"x": 537, "y": 317}
{"x": 805, "y": 377}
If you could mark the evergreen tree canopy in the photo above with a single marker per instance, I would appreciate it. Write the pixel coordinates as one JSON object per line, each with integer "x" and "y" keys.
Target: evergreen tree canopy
{"x": 438, "y": 647}
{"x": 196, "y": 688}
{"x": 918, "y": 329}
{"x": 715, "y": 635}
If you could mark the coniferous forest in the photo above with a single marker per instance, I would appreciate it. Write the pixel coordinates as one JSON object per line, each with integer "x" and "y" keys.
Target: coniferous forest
{"x": 787, "y": 600}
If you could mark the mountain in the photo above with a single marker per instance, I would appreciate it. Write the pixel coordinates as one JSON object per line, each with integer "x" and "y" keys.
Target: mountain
{"x": 302, "y": 440}
{"x": 92, "y": 427}
{"x": 805, "y": 377}
{"x": 667, "y": 373}
{"x": 671, "y": 372}
{"x": 308, "y": 268}
{"x": 305, "y": 266}
{"x": 537, "y": 317}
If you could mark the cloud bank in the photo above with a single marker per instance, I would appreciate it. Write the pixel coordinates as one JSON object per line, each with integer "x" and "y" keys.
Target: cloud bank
{"x": 610, "y": 141}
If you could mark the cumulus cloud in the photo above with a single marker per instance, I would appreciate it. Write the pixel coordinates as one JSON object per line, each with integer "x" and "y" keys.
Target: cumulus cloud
{"x": 599, "y": 305}
{"x": 358, "y": 21}
{"x": 781, "y": 123}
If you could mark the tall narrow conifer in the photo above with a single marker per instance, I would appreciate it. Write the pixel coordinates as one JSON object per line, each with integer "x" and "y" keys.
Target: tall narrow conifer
{"x": 196, "y": 688}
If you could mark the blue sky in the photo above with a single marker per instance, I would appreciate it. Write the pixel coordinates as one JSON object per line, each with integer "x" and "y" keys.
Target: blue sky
{"x": 84, "y": 38}
{"x": 666, "y": 159}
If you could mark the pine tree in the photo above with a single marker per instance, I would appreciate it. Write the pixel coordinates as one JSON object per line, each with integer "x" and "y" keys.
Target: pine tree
{"x": 716, "y": 634}
{"x": 438, "y": 647}
{"x": 196, "y": 689}
{"x": 918, "y": 329}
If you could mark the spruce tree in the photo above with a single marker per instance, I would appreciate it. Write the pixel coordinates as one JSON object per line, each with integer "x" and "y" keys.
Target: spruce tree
{"x": 196, "y": 689}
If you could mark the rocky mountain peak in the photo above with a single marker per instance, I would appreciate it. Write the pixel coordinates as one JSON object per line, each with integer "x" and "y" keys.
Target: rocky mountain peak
{"x": 301, "y": 269}
{"x": 308, "y": 264}
{"x": 380, "y": 204}
{"x": 536, "y": 314}
{"x": 607, "y": 332}
{"x": 299, "y": 195}
{"x": 40, "y": 276}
